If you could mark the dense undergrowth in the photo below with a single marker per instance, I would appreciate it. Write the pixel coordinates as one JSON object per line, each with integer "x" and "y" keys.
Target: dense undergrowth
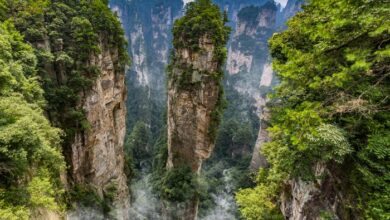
{"x": 30, "y": 154}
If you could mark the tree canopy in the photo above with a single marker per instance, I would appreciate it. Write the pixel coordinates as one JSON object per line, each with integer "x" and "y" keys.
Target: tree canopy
{"x": 331, "y": 107}
{"x": 30, "y": 155}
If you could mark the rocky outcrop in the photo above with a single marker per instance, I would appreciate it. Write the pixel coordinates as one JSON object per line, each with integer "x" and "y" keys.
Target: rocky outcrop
{"x": 267, "y": 80}
{"x": 248, "y": 48}
{"x": 249, "y": 62}
{"x": 190, "y": 112}
{"x": 258, "y": 159}
{"x": 292, "y": 7}
{"x": 195, "y": 97}
{"x": 318, "y": 199}
{"x": 190, "y": 109}
{"x": 148, "y": 30}
{"x": 97, "y": 157}
{"x": 147, "y": 26}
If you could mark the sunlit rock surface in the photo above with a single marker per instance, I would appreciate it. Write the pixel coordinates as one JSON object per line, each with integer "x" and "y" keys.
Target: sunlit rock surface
{"x": 97, "y": 157}
{"x": 190, "y": 109}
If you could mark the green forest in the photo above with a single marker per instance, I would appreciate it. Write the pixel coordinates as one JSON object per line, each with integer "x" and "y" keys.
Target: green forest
{"x": 328, "y": 138}
{"x": 331, "y": 109}
{"x": 45, "y": 50}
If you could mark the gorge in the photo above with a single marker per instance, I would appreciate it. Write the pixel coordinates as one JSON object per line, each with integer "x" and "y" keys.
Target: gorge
{"x": 194, "y": 109}
{"x": 148, "y": 28}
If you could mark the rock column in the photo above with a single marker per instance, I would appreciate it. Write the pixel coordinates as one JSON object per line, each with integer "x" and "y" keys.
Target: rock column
{"x": 195, "y": 94}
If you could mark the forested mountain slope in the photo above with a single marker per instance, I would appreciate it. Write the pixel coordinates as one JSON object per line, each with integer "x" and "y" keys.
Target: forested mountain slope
{"x": 64, "y": 60}
{"x": 30, "y": 154}
{"x": 329, "y": 150}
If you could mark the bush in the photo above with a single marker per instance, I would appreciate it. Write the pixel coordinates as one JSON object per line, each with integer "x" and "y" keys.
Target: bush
{"x": 179, "y": 185}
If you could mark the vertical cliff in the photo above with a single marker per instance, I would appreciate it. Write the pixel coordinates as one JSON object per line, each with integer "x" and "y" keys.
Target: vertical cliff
{"x": 97, "y": 156}
{"x": 195, "y": 98}
{"x": 248, "y": 78}
{"x": 268, "y": 79}
{"x": 147, "y": 27}
{"x": 81, "y": 54}
{"x": 323, "y": 197}
{"x": 248, "y": 61}
{"x": 258, "y": 160}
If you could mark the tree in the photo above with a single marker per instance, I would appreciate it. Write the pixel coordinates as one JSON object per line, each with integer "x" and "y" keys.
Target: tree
{"x": 331, "y": 106}
{"x": 30, "y": 156}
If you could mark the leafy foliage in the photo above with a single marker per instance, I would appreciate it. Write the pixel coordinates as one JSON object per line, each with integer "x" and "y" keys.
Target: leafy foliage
{"x": 30, "y": 156}
{"x": 202, "y": 18}
{"x": 180, "y": 185}
{"x": 138, "y": 147}
{"x": 73, "y": 33}
{"x": 331, "y": 107}
{"x": 86, "y": 197}
{"x": 66, "y": 37}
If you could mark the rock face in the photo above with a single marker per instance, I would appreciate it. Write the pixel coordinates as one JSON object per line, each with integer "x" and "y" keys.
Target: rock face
{"x": 301, "y": 200}
{"x": 248, "y": 50}
{"x": 97, "y": 156}
{"x": 195, "y": 98}
{"x": 248, "y": 65}
{"x": 147, "y": 26}
{"x": 190, "y": 112}
{"x": 190, "y": 109}
{"x": 258, "y": 160}
{"x": 268, "y": 21}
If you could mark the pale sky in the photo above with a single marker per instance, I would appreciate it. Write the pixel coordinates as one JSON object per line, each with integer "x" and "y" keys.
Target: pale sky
{"x": 282, "y": 2}
{"x": 186, "y": 1}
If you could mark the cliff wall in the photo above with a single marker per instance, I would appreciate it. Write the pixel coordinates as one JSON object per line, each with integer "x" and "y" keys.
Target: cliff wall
{"x": 97, "y": 153}
{"x": 81, "y": 54}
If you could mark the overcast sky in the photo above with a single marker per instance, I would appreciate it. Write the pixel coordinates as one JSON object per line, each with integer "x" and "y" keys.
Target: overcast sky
{"x": 186, "y": 1}
{"x": 282, "y": 2}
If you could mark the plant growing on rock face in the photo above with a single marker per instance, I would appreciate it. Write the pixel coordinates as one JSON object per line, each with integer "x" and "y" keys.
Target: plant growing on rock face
{"x": 203, "y": 20}
{"x": 66, "y": 37}
{"x": 86, "y": 196}
{"x": 73, "y": 31}
{"x": 332, "y": 107}
{"x": 30, "y": 155}
{"x": 194, "y": 77}
{"x": 180, "y": 185}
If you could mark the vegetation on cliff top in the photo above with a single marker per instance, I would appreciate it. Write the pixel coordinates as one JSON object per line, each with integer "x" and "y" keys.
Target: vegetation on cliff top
{"x": 250, "y": 14}
{"x": 66, "y": 35}
{"x": 203, "y": 21}
{"x": 332, "y": 107}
